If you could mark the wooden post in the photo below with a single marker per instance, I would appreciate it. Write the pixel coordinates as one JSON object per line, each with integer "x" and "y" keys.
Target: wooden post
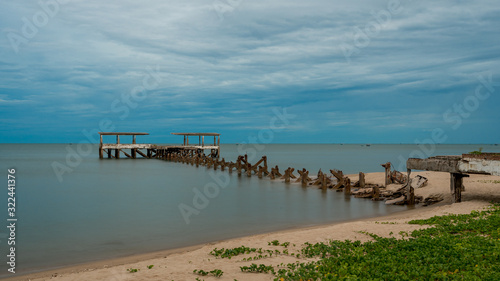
{"x": 238, "y": 165}
{"x": 304, "y": 177}
{"x": 117, "y": 151}
{"x": 410, "y": 197}
{"x": 187, "y": 138}
{"x": 347, "y": 189}
{"x": 362, "y": 180}
{"x": 277, "y": 171}
{"x": 133, "y": 150}
{"x": 340, "y": 178}
{"x": 100, "y": 149}
{"x": 376, "y": 192}
{"x": 202, "y": 140}
{"x": 456, "y": 183}
{"x": 387, "y": 167}
{"x": 272, "y": 175}
{"x": 287, "y": 175}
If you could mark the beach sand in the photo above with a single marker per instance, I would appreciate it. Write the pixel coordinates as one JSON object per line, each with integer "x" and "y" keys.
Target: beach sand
{"x": 179, "y": 264}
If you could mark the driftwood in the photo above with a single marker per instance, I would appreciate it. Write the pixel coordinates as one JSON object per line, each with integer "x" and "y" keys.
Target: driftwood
{"x": 433, "y": 198}
{"x": 419, "y": 181}
{"x": 398, "y": 177}
{"x": 397, "y": 201}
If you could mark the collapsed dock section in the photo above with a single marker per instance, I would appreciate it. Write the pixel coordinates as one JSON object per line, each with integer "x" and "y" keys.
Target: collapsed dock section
{"x": 459, "y": 167}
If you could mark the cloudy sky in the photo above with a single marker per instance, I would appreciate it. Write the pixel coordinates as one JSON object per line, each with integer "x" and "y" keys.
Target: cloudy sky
{"x": 348, "y": 71}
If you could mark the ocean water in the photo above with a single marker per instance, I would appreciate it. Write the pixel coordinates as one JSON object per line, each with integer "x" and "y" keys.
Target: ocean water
{"x": 108, "y": 208}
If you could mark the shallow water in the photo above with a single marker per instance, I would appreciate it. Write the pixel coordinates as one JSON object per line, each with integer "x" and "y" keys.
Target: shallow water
{"x": 111, "y": 208}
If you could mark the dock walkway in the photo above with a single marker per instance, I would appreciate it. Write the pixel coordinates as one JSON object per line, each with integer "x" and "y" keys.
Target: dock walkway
{"x": 146, "y": 150}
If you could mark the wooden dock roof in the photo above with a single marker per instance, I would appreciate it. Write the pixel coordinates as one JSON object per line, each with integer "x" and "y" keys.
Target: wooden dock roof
{"x": 196, "y": 134}
{"x": 122, "y": 134}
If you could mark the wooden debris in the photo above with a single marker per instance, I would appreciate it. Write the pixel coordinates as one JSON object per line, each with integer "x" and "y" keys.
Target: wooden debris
{"x": 303, "y": 177}
{"x": 361, "y": 180}
{"x": 347, "y": 189}
{"x": 340, "y": 178}
{"x": 388, "y": 179}
{"x": 397, "y": 201}
{"x": 376, "y": 192}
{"x": 410, "y": 196}
{"x": 288, "y": 174}
{"x": 398, "y": 177}
{"x": 419, "y": 181}
{"x": 339, "y": 182}
{"x": 433, "y": 198}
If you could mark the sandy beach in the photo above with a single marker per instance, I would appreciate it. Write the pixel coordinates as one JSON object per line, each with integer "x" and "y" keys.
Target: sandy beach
{"x": 179, "y": 264}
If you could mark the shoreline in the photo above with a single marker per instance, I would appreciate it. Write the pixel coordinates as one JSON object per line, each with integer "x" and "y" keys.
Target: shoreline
{"x": 132, "y": 259}
{"x": 178, "y": 263}
{"x": 129, "y": 259}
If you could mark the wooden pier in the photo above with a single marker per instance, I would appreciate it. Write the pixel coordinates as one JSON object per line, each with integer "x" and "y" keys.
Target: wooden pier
{"x": 114, "y": 150}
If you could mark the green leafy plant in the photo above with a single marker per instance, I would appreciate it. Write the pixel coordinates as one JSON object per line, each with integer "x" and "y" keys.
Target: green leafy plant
{"x": 132, "y": 270}
{"x": 261, "y": 268}
{"x": 489, "y": 181}
{"x": 228, "y": 253}
{"x": 150, "y": 266}
{"x": 477, "y": 152}
{"x": 454, "y": 247}
{"x": 215, "y": 272}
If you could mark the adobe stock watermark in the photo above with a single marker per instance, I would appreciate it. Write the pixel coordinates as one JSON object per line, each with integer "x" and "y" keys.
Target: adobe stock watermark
{"x": 225, "y": 6}
{"x": 221, "y": 180}
{"x": 32, "y": 25}
{"x": 361, "y": 37}
{"x": 122, "y": 106}
{"x": 453, "y": 116}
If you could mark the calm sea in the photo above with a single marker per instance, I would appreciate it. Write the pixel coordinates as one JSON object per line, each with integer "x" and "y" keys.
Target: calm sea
{"x": 111, "y": 208}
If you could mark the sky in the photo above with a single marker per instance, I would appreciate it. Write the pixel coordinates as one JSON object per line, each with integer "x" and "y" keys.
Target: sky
{"x": 279, "y": 71}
